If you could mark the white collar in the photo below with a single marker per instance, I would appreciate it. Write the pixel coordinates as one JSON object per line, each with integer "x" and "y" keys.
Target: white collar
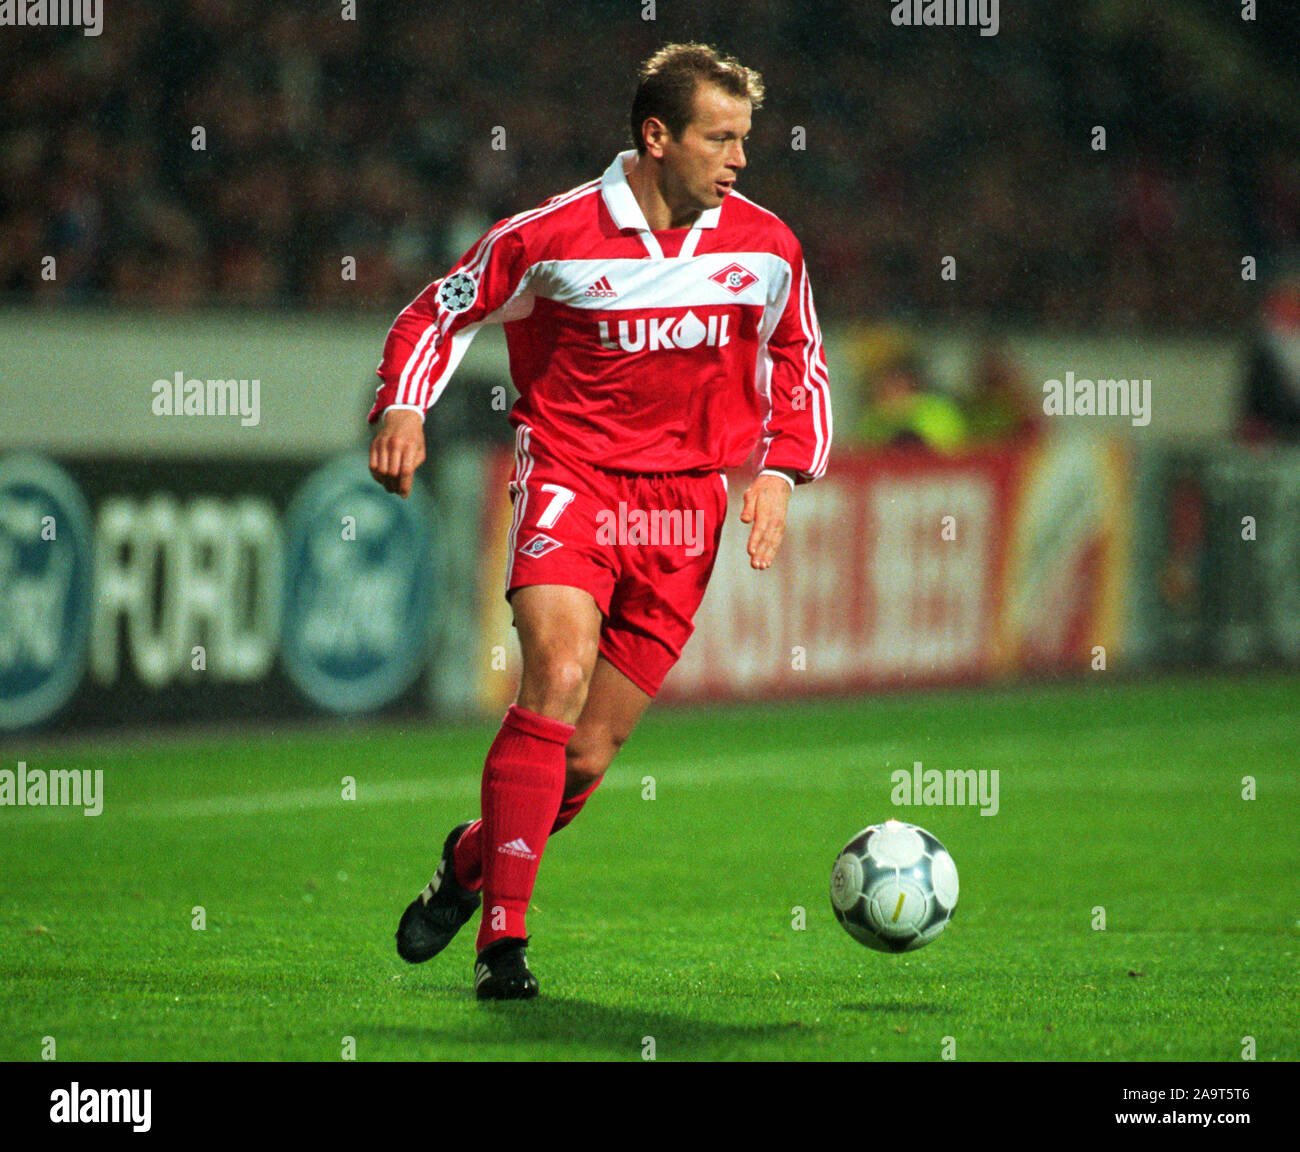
{"x": 621, "y": 201}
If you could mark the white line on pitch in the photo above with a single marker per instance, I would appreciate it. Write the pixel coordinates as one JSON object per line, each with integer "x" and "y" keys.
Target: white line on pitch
{"x": 789, "y": 766}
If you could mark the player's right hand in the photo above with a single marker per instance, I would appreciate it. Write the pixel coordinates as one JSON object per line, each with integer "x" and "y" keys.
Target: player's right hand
{"x": 397, "y": 450}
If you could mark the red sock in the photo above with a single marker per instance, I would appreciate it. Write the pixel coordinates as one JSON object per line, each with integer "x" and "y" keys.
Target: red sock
{"x": 523, "y": 785}
{"x": 467, "y": 857}
{"x": 571, "y": 807}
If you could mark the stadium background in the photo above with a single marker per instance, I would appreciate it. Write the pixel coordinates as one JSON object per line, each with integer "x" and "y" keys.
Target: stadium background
{"x": 213, "y": 190}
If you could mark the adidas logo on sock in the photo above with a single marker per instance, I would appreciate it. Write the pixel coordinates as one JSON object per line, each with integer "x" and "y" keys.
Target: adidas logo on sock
{"x": 602, "y": 288}
{"x": 518, "y": 847}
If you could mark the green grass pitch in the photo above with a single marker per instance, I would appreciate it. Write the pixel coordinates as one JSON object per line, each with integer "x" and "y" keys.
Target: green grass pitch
{"x": 677, "y": 918}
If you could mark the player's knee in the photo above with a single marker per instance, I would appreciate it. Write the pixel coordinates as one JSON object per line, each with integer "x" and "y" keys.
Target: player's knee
{"x": 580, "y": 773}
{"x": 583, "y": 766}
{"x": 566, "y": 678}
{"x": 556, "y": 685}
{"x": 589, "y": 755}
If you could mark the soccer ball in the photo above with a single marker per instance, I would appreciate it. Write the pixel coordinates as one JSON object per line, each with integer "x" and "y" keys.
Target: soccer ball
{"x": 894, "y": 887}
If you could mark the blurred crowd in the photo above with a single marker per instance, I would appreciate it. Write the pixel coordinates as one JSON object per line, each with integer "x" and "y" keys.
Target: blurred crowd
{"x": 394, "y": 139}
{"x": 898, "y": 401}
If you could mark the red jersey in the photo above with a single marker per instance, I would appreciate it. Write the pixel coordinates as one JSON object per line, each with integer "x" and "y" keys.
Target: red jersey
{"x": 633, "y": 350}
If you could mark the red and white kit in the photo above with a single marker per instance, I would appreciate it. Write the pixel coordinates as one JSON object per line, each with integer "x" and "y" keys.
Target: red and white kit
{"x": 646, "y": 362}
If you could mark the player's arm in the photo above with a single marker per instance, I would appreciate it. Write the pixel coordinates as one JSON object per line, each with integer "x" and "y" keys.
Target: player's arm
{"x": 427, "y": 341}
{"x": 797, "y": 432}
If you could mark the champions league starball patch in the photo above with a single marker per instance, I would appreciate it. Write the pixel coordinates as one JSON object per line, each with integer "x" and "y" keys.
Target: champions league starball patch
{"x": 458, "y": 291}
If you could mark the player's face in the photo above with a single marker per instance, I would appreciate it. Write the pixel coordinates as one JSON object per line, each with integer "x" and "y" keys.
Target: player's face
{"x": 702, "y": 165}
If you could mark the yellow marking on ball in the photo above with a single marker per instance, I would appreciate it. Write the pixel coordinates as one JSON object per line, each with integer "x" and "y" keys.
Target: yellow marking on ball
{"x": 899, "y": 909}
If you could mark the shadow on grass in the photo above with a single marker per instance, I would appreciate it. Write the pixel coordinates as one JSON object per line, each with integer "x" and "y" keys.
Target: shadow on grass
{"x": 876, "y": 1007}
{"x": 554, "y": 1024}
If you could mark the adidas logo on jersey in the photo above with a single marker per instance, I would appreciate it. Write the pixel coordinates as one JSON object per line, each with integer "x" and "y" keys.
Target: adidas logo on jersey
{"x": 602, "y": 289}
{"x": 518, "y": 847}
{"x": 651, "y": 335}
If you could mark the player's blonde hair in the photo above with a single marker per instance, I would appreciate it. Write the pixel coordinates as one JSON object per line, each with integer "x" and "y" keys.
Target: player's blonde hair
{"x": 667, "y": 83}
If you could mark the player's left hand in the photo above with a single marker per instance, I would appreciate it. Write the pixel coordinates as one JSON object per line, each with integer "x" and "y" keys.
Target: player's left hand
{"x": 766, "y": 500}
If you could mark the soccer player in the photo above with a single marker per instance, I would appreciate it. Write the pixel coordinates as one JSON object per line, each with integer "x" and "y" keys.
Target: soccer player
{"x": 660, "y": 327}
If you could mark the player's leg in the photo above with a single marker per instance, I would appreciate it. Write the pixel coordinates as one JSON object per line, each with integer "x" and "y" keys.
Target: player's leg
{"x": 648, "y": 616}
{"x": 560, "y": 665}
{"x": 524, "y": 776}
{"x": 559, "y": 630}
{"x": 614, "y": 706}
{"x": 523, "y": 780}
{"x": 559, "y": 576}
{"x": 548, "y": 790}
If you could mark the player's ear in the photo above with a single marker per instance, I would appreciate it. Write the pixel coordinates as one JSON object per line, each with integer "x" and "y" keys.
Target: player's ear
{"x": 655, "y": 135}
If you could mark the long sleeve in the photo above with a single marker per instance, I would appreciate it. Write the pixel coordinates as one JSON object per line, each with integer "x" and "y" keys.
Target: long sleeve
{"x": 433, "y": 332}
{"x": 792, "y": 369}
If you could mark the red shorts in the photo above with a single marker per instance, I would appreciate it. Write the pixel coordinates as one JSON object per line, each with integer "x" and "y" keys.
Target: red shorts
{"x": 642, "y": 544}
